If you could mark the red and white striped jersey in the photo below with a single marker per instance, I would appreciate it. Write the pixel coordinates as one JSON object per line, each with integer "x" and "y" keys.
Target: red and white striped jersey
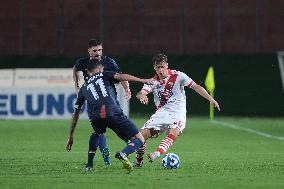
{"x": 169, "y": 95}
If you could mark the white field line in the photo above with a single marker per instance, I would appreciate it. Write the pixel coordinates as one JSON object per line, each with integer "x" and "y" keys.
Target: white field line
{"x": 233, "y": 126}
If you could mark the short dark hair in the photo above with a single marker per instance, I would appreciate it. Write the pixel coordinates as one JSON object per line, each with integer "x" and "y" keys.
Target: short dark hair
{"x": 160, "y": 58}
{"x": 94, "y": 42}
{"x": 93, "y": 64}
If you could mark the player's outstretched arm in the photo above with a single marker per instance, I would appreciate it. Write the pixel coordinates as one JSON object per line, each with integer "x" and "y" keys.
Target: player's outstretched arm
{"x": 127, "y": 77}
{"x": 201, "y": 91}
{"x": 76, "y": 78}
{"x": 72, "y": 127}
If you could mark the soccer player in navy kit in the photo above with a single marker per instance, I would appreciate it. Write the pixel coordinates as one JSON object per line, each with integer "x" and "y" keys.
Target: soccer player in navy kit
{"x": 95, "y": 52}
{"x": 103, "y": 110}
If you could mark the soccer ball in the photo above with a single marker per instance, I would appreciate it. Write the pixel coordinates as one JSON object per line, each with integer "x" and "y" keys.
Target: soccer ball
{"x": 170, "y": 161}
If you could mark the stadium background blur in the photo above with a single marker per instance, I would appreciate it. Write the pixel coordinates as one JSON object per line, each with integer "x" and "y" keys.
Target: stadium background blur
{"x": 241, "y": 39}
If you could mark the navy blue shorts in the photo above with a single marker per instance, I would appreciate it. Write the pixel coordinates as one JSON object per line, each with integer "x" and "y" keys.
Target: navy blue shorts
{"x": 120, "y": 124}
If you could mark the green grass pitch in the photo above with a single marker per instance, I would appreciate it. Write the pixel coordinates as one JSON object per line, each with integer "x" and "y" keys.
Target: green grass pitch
{"x": 32, "y": 155}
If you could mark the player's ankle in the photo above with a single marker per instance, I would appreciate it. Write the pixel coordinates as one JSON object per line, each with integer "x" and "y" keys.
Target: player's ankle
{"x": 139, "y": 160}
{"x": 157, "y": 153}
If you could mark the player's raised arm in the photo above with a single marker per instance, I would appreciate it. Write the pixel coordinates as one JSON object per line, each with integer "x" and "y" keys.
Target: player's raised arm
{"x": 76, "y": 78}
{"x": 201, "y": 91}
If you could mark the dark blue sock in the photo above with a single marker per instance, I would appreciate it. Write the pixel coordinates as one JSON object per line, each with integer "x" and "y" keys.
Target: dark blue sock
{"x": 93, "y": 145}
{"x": 102, "y": 142}
{"x": 132, "y": 146}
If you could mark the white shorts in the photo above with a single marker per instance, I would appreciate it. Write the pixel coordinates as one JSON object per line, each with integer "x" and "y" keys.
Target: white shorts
{"x": 162, "y": 122}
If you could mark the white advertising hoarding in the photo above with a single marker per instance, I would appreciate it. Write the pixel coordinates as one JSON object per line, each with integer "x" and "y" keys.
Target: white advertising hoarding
{"x": 6, "y": 77}
{"x": 49, "y": 77}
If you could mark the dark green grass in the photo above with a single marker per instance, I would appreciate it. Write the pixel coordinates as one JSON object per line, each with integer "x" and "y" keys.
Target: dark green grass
{"x": 32, "y": 155}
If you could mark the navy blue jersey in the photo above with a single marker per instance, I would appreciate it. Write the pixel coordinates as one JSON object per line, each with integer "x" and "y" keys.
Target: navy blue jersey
{"x": 108, "y": 63}
{"x": 100, "y": 96}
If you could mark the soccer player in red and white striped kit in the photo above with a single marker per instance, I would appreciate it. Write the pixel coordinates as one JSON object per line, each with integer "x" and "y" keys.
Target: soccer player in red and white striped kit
{"x": 170, "y": 100}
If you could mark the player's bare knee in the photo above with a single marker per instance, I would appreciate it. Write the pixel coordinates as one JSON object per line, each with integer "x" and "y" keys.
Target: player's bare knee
{"x": 146, "y": 133}
{"x": 154, "y": 133}
{"x": 140, "y": 137}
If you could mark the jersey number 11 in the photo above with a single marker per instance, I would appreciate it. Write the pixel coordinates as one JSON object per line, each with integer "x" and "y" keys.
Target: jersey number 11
{"x": 101, "y": 84}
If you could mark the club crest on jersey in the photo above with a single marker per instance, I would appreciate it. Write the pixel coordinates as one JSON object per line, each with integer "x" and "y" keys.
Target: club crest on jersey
{"x": 165, "y": 94}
